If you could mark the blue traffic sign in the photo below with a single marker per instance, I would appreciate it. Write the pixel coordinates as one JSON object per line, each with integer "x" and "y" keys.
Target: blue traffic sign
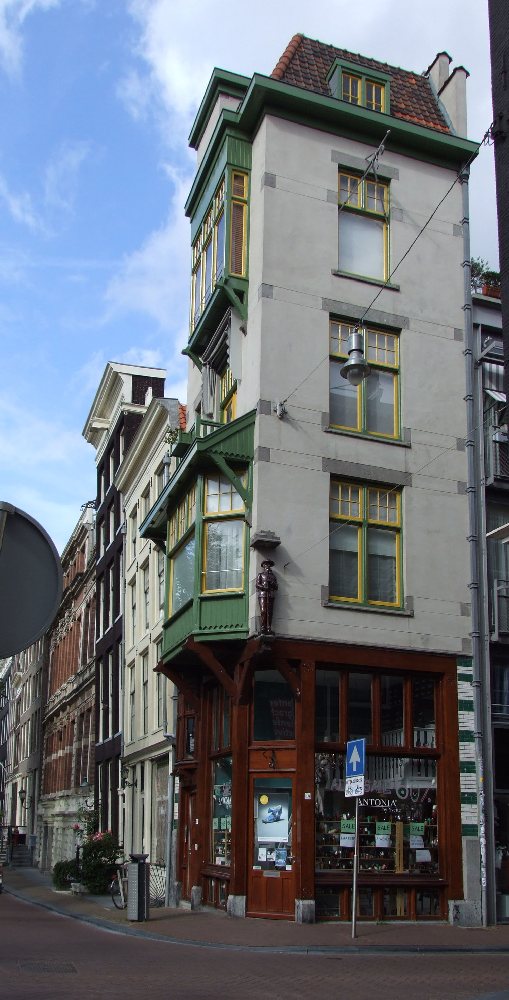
{"x": 355, "y": 758}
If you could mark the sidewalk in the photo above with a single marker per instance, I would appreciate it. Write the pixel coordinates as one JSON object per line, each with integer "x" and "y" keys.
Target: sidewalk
{"x": 214, "y": 929}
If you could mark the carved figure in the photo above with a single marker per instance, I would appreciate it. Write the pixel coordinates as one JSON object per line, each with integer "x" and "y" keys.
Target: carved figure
{"x": 266, "y": 586}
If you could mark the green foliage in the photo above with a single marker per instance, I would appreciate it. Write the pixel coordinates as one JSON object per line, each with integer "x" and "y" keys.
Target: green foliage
{"x": 480, "y": 274}
{"x": 88, "y": 821}
{"x": 65, "y": 872}
{"x": 99, "y": 855}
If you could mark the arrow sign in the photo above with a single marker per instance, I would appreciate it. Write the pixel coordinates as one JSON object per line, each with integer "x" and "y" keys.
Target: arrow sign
{"x": 355, "y": 758}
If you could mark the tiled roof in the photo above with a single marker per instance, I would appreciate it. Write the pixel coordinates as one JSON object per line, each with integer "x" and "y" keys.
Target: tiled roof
{"x": 305, "y": 63}
{"x": 182, "y": 416}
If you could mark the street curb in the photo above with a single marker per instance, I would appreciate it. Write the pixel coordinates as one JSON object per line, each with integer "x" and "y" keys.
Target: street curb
{"x": 353, "y": 950}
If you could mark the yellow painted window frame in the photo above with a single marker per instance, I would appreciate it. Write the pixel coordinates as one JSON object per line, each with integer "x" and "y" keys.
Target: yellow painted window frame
{"x": 238, "y": 204}
{"x": 231, "y": 514}
{"x": 227, "y": 396}
{"x": 347, "y": 80}
{"x": 207, "y": 521}
{"x": 182, "y": 518}
{"x": 345, "y": 330}
{"x": 363, "y": 521}
{"x": 360, "y": 192}
{"x": 376, "y": 101}
{"x": 378, "y": 89}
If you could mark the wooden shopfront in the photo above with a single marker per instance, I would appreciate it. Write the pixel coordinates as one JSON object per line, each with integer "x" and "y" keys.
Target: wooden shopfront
{"x": 264, "y": 826}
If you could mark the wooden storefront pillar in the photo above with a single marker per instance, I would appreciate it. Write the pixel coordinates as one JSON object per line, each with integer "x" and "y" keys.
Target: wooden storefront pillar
{"x": 305, "y": 795}
{"x": 240, "y": 810}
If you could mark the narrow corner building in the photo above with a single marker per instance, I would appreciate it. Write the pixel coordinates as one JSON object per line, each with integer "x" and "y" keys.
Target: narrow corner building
{"x": 348, "y": 495}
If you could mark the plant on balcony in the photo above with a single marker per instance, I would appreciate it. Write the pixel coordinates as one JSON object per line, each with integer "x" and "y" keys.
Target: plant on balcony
{"x": 482, "y": 279}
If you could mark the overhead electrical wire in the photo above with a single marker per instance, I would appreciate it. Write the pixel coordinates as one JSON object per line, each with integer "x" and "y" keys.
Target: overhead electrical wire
{"x": 373, "y": 158}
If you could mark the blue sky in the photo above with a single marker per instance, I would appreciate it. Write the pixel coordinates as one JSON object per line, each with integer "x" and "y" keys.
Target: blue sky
{"x": 97, "y": 98}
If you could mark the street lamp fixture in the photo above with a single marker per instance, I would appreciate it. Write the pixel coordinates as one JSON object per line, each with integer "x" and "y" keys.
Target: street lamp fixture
{"x": 356, "y": 369}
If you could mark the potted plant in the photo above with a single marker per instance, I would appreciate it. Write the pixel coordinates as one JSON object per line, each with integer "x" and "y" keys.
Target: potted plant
{"x": 491, "y": 284}
{"x": 478, "y": 267}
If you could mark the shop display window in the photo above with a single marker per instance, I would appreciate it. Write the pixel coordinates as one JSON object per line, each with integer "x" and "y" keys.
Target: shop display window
{"x": 274, "y": 707}
{"x": 222, "y": 812}
{"x": 272, "y": 838}
{"x": 386, "y": 709}
{"x": 398, "y": 823}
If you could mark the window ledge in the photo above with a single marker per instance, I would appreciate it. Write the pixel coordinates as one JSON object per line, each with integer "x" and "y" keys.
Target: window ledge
{"x": 347, "y": 606}
{"x": 366, "y": 280}
{"x": 367, "y": 437}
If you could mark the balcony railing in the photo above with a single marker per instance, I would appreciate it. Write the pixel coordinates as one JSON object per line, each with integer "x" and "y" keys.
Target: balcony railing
{"x": 200, "y": 429}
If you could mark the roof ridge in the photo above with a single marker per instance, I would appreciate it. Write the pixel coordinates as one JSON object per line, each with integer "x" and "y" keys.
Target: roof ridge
{"x": 287, "y": 56}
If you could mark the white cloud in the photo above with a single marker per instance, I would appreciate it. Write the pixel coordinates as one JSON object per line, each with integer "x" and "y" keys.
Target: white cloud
{"x": 19, "y": 206}
{"x": 61, "y": 175}
{"x": 13, "y": 13}
{"x": 154, "y": 280}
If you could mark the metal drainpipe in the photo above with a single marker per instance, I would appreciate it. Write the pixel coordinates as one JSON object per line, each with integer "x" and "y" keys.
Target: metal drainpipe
{"x": 477, "y": 548}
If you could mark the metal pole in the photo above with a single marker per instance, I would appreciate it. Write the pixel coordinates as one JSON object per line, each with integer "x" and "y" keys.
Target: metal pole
{"x": 355, "y": 866}
{"x": 480, "y": 634}
{"x": 170, "y": 898}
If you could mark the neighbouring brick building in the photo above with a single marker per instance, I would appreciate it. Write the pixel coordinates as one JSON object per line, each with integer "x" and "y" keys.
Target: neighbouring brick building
{"x": 69, "y": 716}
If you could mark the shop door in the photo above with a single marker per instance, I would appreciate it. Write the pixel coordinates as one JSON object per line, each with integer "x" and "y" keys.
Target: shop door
{"x": 188, "y": 834}
{"x": 271, "y": 882}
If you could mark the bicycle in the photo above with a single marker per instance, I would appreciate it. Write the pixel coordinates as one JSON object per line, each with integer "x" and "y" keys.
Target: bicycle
{"x": 157, "y": 886}
{"x": 118, "y": 887}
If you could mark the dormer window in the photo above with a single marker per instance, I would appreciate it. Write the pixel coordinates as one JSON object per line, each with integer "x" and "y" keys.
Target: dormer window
{"x": 359, "y": 85}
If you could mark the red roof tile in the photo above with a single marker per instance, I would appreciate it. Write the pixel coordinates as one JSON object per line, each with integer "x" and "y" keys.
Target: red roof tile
{"x": 182, "y": 416}
{"x": 305, "y": 63}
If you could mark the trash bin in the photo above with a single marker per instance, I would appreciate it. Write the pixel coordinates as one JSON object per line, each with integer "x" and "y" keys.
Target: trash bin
{"x": 138, "y": 875}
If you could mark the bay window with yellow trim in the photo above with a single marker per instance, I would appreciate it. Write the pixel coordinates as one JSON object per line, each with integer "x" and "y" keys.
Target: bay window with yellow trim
{"x": 227, "y": 396}
{"x": 365, "y": 544}
{"x": 363, "y": 226}
{"x": 220, "y": 246}
{"x": 223, "y": 536}
{"x": 373, "y": 406}
{"x": 181, "y": 549}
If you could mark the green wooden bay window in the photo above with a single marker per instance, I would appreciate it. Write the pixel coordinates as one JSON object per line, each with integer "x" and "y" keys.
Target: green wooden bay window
{"x": 365, "y": 544}
{"x": 220, "y": 247}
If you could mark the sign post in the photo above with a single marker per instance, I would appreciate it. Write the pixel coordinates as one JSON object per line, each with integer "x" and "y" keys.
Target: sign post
{"x": 354, "y": 786}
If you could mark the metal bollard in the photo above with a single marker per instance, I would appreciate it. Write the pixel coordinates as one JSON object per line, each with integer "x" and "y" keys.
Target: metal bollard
{"x": 138, "y": 877}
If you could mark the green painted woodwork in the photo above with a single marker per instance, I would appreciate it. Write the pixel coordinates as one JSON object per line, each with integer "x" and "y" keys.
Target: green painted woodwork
{"x": 469, "y": 830}
{"x": 364, "y": 72}
{"x": 465, "y": 677}
{"x": 221, "y": 82}
{"x": 468, "y": 798}
{"x": 228, "y": 448}
{"x": 265, "y": 95}
{"x": 468, "y": 767}
{"x": 235, "y": 152}
{"x": 466, "y": 736}
{"x": 465, "y": 706}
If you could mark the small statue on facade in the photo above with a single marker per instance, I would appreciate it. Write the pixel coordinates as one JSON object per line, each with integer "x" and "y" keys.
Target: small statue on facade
{"x": 266, "y": 586}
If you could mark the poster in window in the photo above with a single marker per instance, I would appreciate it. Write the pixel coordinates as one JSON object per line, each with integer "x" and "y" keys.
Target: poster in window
{"x": 272, "y": 819}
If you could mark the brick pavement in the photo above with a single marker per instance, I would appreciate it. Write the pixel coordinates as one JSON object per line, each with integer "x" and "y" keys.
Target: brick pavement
{"x": 213, "y": 928}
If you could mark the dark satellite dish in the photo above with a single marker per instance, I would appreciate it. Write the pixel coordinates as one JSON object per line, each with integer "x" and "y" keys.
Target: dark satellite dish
{"x": 30, "y": 580}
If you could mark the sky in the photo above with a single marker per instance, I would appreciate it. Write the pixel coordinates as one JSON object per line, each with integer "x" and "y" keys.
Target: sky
{"x": 97, "y": 98}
